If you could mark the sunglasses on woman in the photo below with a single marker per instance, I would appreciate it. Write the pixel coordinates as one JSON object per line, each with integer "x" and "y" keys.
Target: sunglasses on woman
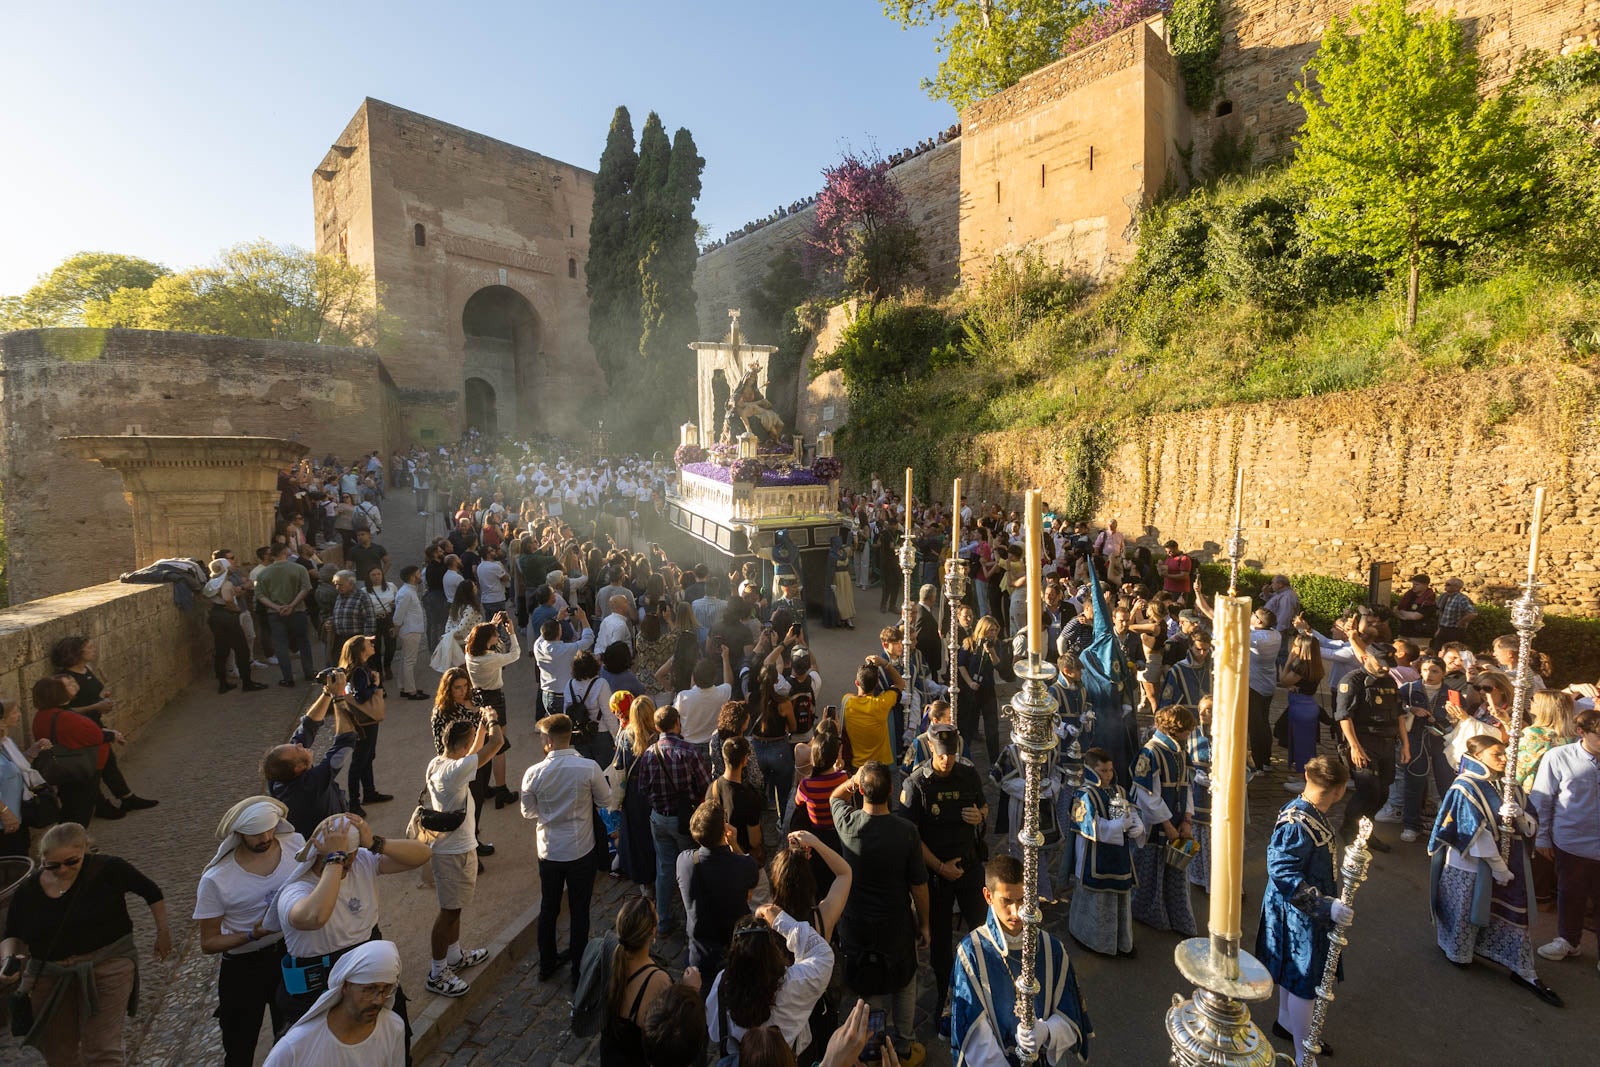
{"x": 57, "y": 865}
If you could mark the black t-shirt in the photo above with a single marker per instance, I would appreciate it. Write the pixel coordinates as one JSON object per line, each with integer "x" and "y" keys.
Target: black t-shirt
{"x": 365, "y": 557}
{"x": 89, "y": 689}
{"x": 741, "y": 804}
{"x": 89, "y": 916}
{"x": 935, "y": 808}
{"x": 433, "y": 576}
{"x": 885, "y": 857}
{"x": 716, "y": 895}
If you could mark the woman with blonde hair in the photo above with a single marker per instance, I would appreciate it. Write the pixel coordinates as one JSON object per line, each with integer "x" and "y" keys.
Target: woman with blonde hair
{"x": 1550, "y": 724}
{"x": 1497, "y": 694}
{"x": 366, "y": 706}
{"x": 976, "y": 664}
{"x": 636, "y": 732}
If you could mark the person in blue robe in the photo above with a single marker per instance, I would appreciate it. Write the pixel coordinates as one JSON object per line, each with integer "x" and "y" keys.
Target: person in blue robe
{"x": 1109, "y": 688}
{"x": 1101, "y": 917}
{"x": 1480, "y": 900}
{"x": 1073, "y": 719}
{"x": 1186, "y": 681}
{"x": 983, "y": 993}
{"x": 1199, "y": 753}
{"x": 1161, "y": 791}
{"x": 1301, "y": 903}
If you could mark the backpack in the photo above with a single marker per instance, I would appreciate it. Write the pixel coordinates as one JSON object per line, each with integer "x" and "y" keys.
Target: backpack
{"x": 805, "y": 704}
{"x": 594, "y": 986}
{"x": 361, "y": 520}
{"x": 584, "y": 726}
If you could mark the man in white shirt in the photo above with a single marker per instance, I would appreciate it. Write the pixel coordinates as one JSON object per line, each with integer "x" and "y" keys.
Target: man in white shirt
{"x": 354, "y": 1022}
{"x": 554, "y": 657}
{"x": 560, "y": 794}
{"x": 467, "y": 746}
{"x": 708, "y": 609}
{"x": 616, "y": 626}
{"x": 1265, "y": 641}
{"x": 234, "y": 895}
{"x": 494, "y": 584}
{"x": 699, "y": 707}
{"x": 329, "y": 905}
{"x": 411, "y": 625}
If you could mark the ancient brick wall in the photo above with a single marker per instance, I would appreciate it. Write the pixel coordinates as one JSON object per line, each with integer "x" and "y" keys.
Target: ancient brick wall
{"x": 931, "y": 184}
{"x": 1333, "y": 484}
{"x": 67, "y": 523}
{"x": 1063, "y": 161}
{"x": 147, "y": 650}
{"x": 1266, "y": 44}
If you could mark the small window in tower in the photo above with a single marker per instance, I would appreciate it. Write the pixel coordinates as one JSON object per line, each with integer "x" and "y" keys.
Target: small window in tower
{"x": 419, "y": 235}
{"x": 572, "y": 268}
{"x": 572, "y": 230}
{"x": 997, "y": 192}
{"x": 1041, "y": 175}
{"x": 1224, "y": 108}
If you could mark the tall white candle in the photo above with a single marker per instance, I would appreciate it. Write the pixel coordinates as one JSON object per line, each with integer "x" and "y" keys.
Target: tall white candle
{"x": 1229, "y": 736}
{"x": 1538, "y": 520}
{"x": 1035, "y": 506}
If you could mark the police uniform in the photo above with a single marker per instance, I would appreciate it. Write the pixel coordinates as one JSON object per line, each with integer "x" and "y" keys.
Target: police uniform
{"x": 1371, "y": 703}
{"x": 934, "y": 803}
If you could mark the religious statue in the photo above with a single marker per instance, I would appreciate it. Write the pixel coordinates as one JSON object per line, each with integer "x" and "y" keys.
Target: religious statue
{"x": 750, "y": 408}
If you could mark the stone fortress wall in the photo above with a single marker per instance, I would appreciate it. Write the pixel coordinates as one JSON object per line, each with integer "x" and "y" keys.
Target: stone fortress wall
{"x": 931, "y": 183}
{"x": 1333, "y": 484}
{"x": 66, "y": 520}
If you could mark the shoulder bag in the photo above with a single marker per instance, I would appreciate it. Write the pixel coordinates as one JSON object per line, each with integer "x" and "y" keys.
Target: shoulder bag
{"x": 66, "y": 767}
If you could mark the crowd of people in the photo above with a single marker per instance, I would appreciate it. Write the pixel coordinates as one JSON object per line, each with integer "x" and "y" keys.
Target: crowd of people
{"x": 927, "y": 144}
{"x": 809, "y": 847}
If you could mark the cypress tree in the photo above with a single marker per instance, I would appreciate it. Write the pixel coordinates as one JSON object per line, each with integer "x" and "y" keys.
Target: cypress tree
{"x": 673, "y": 269}
{"x": 612, "y": 275}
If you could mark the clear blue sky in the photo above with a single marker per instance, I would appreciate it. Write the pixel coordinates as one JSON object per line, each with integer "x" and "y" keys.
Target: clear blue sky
{"x": 172, "y": 130}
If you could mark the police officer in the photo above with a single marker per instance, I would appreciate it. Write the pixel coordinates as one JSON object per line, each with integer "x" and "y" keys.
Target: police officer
{"x": 944, "y": 798}
{"x": 1367, "y": 710}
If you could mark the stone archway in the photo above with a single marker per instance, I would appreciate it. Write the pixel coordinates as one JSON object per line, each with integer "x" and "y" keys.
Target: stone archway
{"x": 481, "y": 410}
{"x": 502, "y": 344}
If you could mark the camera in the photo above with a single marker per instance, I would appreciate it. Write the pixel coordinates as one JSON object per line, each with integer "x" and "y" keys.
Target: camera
{"x": 328, "y": 672}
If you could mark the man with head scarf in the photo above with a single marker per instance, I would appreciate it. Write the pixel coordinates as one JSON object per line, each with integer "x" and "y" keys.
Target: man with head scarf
{"x": 354, "y": 1023}
{"x": 329, "y": 905}
{"x": 236, "y": 891}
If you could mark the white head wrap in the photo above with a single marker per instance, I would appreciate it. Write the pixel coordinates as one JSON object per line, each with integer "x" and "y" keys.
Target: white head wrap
{"x": 336, "y": 833}
{"x": 252, "y": 815}
{"x": 374, "y": 962}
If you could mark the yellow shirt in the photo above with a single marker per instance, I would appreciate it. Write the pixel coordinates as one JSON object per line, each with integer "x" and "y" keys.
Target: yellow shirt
{"x": 866, "y": 723}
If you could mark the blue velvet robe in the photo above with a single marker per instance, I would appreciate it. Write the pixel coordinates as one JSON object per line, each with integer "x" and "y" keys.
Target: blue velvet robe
{"x": 1162, "y": 770}
{"x": 1108, "y": 685}
{"x": 1106, "y": 867}
{"x": 1200, "y": 760}
{"x": 1184, "y": 683}
{"x": 1472, "y": 803}
{"x": 1296, "y": 912}
{"x": 983, "y": 983}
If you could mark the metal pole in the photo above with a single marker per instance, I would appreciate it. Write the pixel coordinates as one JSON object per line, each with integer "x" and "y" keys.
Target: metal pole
{"x": 1527, "y": 616}
{"x": 955, "y": 592}
{"x": 908, "y": 566}
{"x": 1352, "y": 872}
{"x": 1033, "y": 715}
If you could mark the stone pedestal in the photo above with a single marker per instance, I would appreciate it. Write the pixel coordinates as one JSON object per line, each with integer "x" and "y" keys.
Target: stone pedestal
{"x": 193, "y": 495}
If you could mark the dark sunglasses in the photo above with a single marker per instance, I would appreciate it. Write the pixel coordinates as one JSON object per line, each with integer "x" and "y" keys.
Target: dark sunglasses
{"x": 73, "y": 862}
{"x": 1486, "y": 688}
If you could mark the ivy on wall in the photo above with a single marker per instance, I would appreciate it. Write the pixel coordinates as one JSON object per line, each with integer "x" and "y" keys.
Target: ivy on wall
{"x": 1195, "y": 35}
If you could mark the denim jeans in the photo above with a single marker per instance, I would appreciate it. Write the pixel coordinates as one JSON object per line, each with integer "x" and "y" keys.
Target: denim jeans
{"x": 776, "y": 760}
{"x": 900, "y": 1014}
{"x": 292, "y": 630}
{"x": 669, "y": 842}
{"x": 361, "y": 760}
{"x": 1427, "y": 762}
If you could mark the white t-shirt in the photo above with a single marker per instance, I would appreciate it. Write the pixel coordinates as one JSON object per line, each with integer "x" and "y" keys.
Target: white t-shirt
{"x": 448, "y": 780}
{"x": 698, "y": 709}
{"x": 241, "y": 899}
{"x": 492, "y": 582}
{"x": 353, "y": 918}
{"x": 314, "y": 1045}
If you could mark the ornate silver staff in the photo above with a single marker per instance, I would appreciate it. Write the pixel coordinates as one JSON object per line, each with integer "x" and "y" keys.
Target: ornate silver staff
{"x": 955, "y": 592}
{"x": 1352, "y": 872}
{"x": 1213, "y": 1028}
{"x": 1033, "y": 731}
{"x": 1527, "y": 616}
{"x": 908, "y": 564}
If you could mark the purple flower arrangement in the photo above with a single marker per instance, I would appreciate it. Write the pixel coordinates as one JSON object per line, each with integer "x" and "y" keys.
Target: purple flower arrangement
{"x": 770, "y": 478}
{"x": 687, "y": 454}
{"x": 827, "y": 468}
{"x": 746, "y": 472}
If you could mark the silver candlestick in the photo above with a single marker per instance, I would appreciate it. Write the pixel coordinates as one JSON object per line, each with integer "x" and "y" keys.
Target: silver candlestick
{"x": 1352, "y": 872}
{"x": 908, "y": 566}
{"x": 1033, "y": 730}
{"x": 1527, "y": 617}
{"x": 955, "y": 592}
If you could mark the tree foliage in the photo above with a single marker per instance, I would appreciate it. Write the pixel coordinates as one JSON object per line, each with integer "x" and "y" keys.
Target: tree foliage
{"x": 666, "y": 277}
{"x": 1400, "y": 155}
{"x": 59, "y": 297}
{"x": 255, "y": 289}
{"x": 988, "y": 45}
{"x": 1559, "y": 105}
{"x": 862, "y": 229}
{"x": 611, "y": 272}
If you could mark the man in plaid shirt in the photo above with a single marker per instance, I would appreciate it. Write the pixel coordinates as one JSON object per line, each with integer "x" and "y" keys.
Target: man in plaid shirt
{"x": 675, "y": 776}
{"x": 352, "y": 611}
{"x": 1456, "y": 612}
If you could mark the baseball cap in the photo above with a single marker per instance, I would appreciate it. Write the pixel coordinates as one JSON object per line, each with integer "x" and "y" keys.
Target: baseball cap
{"x": 944, "y": 739}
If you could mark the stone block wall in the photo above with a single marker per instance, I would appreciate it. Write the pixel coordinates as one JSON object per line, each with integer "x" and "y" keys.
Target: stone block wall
{"x": 931, "y": 184}
{"x": 1334, "y": 484}
{"x": 67, "y": 523}
{"x": 147, "y": 650}
{"x": 823, "y": 403}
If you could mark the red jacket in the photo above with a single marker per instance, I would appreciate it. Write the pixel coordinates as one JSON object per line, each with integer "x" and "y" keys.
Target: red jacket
{"x": 72, "y": 731}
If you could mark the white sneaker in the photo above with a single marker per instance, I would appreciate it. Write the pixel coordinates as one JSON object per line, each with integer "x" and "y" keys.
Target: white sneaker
{"x": 1559, "y": 949}
{"x": 257, "y": 665}
{"x": 469, "y": 959}
{"x": 1408, "y": 836}
{"x": 1389, "y": 813}
{"x": 273, "y": 660}
{"x": 447, "y": 984}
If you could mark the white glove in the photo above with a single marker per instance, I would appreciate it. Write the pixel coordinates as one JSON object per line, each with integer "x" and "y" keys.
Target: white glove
{"x": 1027, "y": 1041}
{"x": 1202, "y": 779}
{"x": 1343, "y": 914}
{"x": 1511, "y": 810}
{"x": 1502, "y": 874}
{"x": 1130, "y": 822}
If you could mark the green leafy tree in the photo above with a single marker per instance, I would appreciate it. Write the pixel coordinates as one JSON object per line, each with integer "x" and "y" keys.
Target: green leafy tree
{"x": 1560, "y": 106}
{"x": 666, "y": 274}
{"x": 1399, "y": 154}
{"x": 59, "y": 297}
{"x": 988, "y": 45}
{"x": 255, "y": 289}
{"x": 611, "y": 274}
